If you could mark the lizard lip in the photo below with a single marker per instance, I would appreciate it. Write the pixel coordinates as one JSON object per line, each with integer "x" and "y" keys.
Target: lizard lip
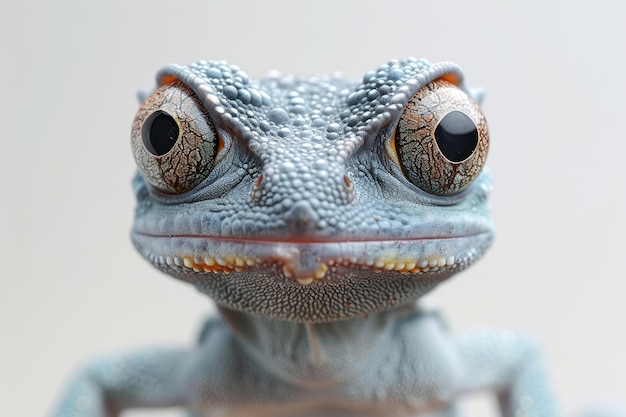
{"x": 307, "y": 260}
{"x": 300, "y": 239}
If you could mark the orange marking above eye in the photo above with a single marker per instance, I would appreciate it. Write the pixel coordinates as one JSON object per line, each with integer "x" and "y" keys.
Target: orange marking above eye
{"x": 168, "y": 79}
{"x": 392, "y": 151}
{"x": 392, "y": 144}
{"x": 220, "y": 144}
{"x": 451, "y": 78}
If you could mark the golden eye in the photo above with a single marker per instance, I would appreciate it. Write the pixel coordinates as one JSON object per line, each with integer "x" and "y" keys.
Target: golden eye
{"x": 174, "y": 142}
{"x": 442, "y": 139}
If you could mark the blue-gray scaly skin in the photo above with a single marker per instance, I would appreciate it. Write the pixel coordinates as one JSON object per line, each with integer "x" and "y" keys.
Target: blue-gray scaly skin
{"x": 303, "y": 216}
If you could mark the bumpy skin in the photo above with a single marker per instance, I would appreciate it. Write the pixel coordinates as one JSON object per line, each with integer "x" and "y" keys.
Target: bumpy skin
{"x": 315, "y": 244}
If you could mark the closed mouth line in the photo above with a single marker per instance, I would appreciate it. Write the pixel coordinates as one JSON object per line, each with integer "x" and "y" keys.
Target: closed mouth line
{"x": 307, "y": 239}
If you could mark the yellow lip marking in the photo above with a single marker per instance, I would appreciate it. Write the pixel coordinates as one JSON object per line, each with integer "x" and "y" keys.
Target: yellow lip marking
{"x": 318, "y": 274}
{"x": 237, "y": 263}
{"x": 321, "y": 271}
{"x": 217, "y": 265}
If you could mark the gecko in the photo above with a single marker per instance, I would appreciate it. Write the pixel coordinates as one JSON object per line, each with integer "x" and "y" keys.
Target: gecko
{"x": 316, "y": 212}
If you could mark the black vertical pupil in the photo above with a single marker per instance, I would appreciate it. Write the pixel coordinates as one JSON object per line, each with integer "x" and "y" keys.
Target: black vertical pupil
{"x": 456, "y": 136}
{"x": 159, "y": 133}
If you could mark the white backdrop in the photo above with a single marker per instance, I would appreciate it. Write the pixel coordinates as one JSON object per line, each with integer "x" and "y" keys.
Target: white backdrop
{"x": 71, "y": 285}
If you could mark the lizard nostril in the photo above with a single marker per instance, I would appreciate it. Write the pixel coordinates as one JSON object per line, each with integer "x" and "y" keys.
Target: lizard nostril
{"x": 258, "y": 181}
{"x": 347, "y": 181}
{"x": 256, "y": 189}
{"x": 349, "y": 193}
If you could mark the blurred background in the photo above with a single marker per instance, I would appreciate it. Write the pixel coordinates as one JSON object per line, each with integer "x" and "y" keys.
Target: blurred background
{"x": 72, "y": 286}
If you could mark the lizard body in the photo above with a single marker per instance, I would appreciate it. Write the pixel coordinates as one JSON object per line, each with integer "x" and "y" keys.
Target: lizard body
{"x": 315, "y": 212}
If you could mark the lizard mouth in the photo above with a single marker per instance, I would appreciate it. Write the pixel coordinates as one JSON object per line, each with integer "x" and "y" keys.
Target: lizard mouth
{"x": 310, "y": 261}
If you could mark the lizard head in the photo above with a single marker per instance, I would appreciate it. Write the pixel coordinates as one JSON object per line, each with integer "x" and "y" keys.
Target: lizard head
{"x": 312, "y": 199}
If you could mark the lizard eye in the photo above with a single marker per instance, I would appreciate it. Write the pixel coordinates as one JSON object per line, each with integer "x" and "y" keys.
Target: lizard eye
{"x": 441, "y": 139}
{"x": 174, "y": 142}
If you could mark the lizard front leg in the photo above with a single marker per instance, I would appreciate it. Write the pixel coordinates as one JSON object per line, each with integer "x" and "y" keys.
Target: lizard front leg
{"x": 512, "y": 367}
{"x": 153, "y": 378}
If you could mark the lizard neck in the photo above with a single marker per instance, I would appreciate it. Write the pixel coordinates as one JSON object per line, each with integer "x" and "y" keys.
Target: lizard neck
{"x": 312, "y": 354}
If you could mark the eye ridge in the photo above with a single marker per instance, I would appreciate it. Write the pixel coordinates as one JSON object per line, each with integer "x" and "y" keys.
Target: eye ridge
{"x": 160, "y": 133}
{"x": 457, "y": 136}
